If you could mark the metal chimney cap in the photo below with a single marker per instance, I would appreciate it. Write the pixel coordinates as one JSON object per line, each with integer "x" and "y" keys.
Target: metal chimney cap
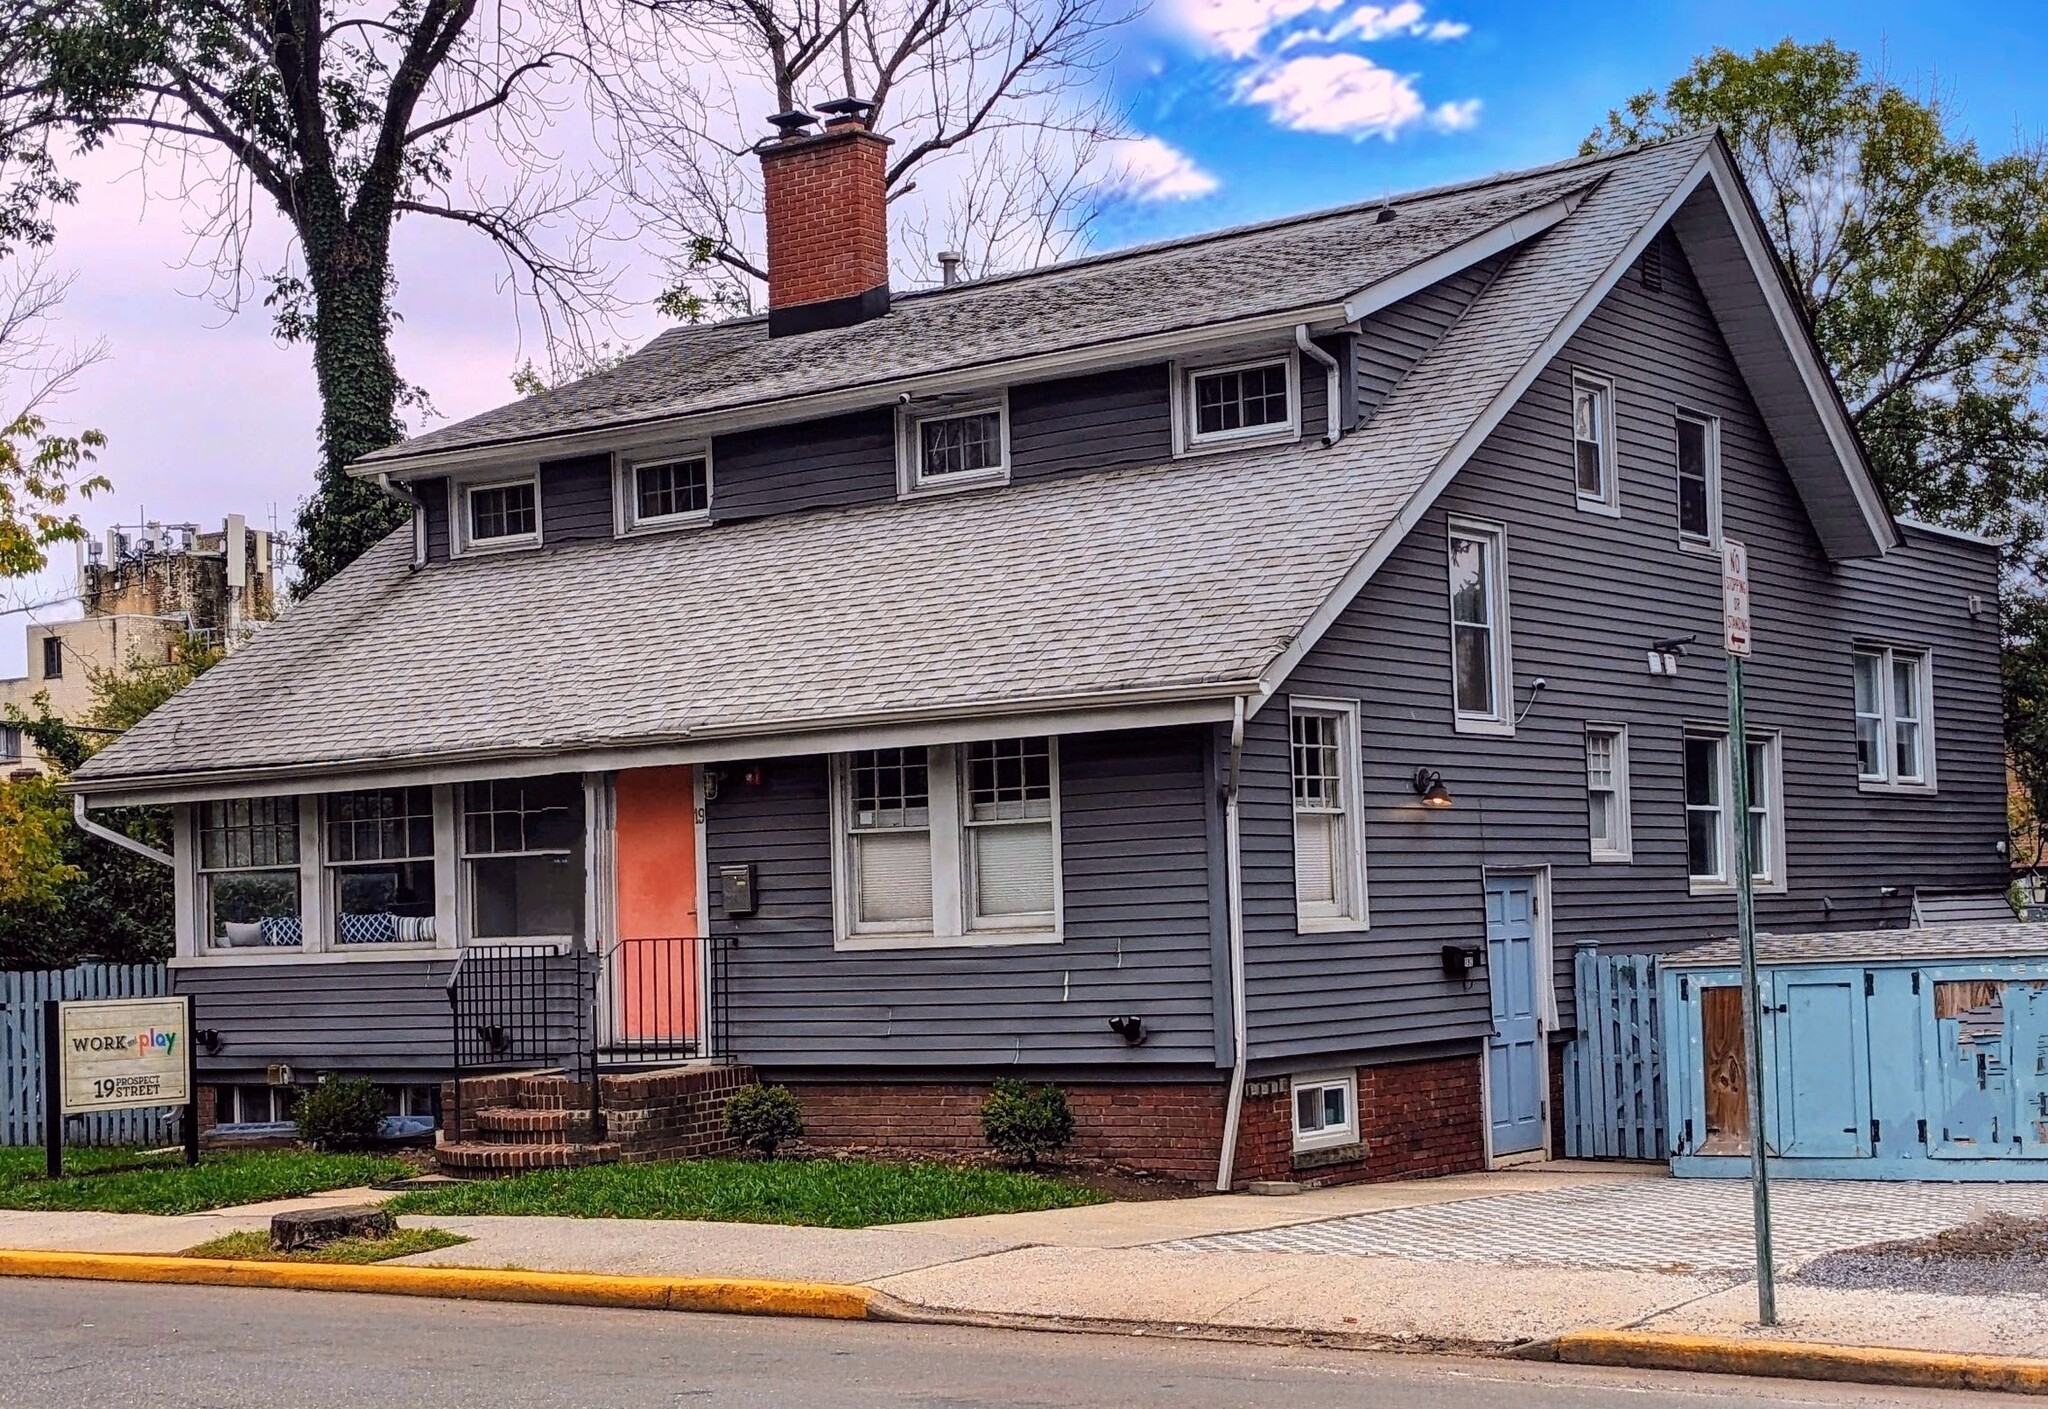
{"x": 791, "y": 123}
{"x": 842, "y": 110}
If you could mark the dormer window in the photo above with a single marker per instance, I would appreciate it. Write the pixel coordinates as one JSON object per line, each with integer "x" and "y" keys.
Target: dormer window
{"x": 504, "y": 514}
{"x": 952, "y": 444}
{"x": 668, "y": 490}
{"x": 1235, "y": 403}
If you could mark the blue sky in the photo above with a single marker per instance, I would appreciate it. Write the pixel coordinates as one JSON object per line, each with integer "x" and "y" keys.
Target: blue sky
{"x": 1205, "y": 77}
{"x": 206, "y": 415}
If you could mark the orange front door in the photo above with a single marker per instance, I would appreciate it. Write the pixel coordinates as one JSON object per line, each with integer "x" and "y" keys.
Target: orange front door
{"x": 657, "y": 972}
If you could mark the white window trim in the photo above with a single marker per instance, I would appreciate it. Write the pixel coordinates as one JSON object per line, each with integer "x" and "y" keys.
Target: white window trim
{"x": 1692, "y": 543}
{"x": 461, "y": 544}
{"x": 1334, "y": 1136}
{"x": 1608, "y": 501}
{"x": 627, "y": 522}
{"x": 1352, "y": 911}
{"x": 1501, "y": 721}
{"x": 1623, "y": 847}
{"x": 1187, "y": 441}
{"x": 1735, "y": 811}
{"x": 952, "y": 925}
{"x": 910, "y": 418}
{"x": 1887, "y": 725}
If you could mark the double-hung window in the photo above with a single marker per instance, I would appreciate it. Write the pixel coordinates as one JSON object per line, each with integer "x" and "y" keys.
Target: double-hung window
{"x": 951, "y": 844}
{"x": 522, "y": 857}
{"x": 1711, "y": 817}
{"x": 1698, "y": 449}
{"x": 1325, "y": 1111}
{"x": 249, "y": 872}
{"x": 665, "y": 492}
{"x": 1244, "y": 401}
{"x": 1593, "y": 443}
{"x": 10, "y": 743}
{"x": 1894, "y": 713}
{"x": 1480, "y": 662}
{"x": 952, "y": 444}
{"x": 505, "y": 514}
{"x": 1329, "y": 849}
{"x": 1607, "y": 820}
{"x": 380, "y": 866}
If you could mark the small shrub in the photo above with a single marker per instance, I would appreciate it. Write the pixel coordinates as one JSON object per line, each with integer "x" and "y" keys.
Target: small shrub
{"x": 763, "y": 1118}
{"x": 341, "y": 1113}
{"x": 1025, "y": 1123}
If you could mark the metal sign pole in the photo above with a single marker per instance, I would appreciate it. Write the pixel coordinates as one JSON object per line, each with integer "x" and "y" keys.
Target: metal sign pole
{"x": 53, "y": 1092}
{"x": 191, "y": 1131}
{"x": 1740, "y": 642}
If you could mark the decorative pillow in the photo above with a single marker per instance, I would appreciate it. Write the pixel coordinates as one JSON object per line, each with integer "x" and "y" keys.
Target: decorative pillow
{"x": 284, "y": 931}
{"x": 414, "y": 929}
{"x": 368, "y": 929}
{"x": 242, "y": 934}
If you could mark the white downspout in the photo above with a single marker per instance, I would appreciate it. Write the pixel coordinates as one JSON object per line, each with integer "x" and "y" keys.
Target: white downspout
{"x": 1234, "y": 902}
{"x": 1333, "y": 403}
{"x": 120, "y": 839}
{"x": 419, "y": 515}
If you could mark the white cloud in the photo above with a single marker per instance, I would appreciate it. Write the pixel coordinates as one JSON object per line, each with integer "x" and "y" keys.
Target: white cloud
{"x": 1440, "y": 30}
{"x": 1460, "y": 116}
{"x": 1239, "y": 27}
{"x": 1370, "y": 22}
{"x": 1338, "y": 93}
{"x": 1149, "y": 169}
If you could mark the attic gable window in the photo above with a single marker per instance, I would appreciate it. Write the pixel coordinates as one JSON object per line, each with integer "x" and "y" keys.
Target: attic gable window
{"x": 1593, "y": 443}
{"x": 1237, "y": 403}
{"x": 669, "y": 490}
{"x": 505, "y": 514}
{"x": 945, "y": 445}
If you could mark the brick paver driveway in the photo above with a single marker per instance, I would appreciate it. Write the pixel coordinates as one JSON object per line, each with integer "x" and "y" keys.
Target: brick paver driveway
{"x": 1659, "y": 1224}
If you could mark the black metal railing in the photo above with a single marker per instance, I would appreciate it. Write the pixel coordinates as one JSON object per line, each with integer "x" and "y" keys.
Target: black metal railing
{"x": 518, "y": 1007}
{"x": 661, "y": 1001}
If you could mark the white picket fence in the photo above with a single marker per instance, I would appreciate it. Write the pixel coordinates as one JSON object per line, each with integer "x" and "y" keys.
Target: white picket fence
{"x": 1614, "y": 1070}
{"x": 22, "y": 995}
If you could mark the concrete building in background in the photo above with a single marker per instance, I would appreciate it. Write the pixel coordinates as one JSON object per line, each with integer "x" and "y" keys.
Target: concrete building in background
{"x": 144, "y": 587}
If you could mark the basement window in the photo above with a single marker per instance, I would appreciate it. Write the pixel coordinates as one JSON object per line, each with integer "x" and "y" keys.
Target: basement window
{"x": 948, "y": 444}
{"x": 1325, "y": 1111}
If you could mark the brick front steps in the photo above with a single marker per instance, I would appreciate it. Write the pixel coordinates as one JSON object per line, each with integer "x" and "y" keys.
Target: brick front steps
{"x": 541, "y": 1120}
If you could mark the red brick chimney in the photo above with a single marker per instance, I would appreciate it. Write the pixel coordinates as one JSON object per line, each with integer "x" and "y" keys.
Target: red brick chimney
{"x": 828, "y": 220}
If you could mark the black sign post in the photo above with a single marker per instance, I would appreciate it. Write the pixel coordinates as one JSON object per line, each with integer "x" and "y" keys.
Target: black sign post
{"x": 191, "y": 1088}
{"x": 53, "y": 1092}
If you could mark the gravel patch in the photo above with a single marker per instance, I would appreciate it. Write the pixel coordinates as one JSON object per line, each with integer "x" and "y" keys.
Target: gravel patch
{"x": 1998, "y": 1255}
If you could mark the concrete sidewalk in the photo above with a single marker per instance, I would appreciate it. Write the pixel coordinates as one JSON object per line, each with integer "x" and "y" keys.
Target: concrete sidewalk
{"x": 1478, "y": 1262}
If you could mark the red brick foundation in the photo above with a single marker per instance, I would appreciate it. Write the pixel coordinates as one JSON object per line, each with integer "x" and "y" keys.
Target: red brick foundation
{"x": 1419, "y": 1118}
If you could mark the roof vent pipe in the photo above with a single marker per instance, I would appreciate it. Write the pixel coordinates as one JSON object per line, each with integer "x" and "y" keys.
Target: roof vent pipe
{"x": 949, "y": 267}
{"x": 1333, "y": 404}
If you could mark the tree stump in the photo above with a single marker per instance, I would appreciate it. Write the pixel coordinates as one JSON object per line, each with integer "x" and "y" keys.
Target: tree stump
{"x": 300, "y": 1229}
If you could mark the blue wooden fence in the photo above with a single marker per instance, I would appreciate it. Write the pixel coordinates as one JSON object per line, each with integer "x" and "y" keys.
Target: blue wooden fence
{"x": 22, "y": 995}
{"x": 1614, "y": 1071}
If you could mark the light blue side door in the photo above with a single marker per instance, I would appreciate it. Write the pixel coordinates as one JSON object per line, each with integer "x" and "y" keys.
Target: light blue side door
{"x": 1822, "y": 1053}
{"x": 1514, "y": 1053}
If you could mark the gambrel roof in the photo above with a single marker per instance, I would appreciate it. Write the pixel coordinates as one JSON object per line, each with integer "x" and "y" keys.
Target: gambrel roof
{"x": 1186, "y": 585}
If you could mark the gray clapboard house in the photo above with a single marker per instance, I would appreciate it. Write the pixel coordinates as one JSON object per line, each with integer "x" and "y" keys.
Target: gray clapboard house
{"x": 1228, "y": 677}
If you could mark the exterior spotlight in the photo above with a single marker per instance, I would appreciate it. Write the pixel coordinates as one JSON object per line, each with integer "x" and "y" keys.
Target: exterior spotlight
{"x": 1429, "y": 786}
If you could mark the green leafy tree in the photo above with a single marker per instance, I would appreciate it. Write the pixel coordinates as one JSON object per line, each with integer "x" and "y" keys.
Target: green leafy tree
{"x": 64, "y": 896}
{"x": 1922, "y": 262}
{"x": 342, "y": 119}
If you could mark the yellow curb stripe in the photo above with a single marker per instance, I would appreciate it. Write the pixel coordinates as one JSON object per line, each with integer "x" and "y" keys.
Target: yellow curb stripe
{"x": 1926, "y": 1369}
{"x": 732, "y": 1295}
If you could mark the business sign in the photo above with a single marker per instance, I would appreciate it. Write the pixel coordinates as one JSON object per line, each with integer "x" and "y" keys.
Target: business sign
{"x": 119, "y": 1054}
{"x": 1735, "y": 625}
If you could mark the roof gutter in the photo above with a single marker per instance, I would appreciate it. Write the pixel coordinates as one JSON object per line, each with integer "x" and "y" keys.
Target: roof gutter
{"x": 1333, "y": 403}
{"x": 1233, "y": 879}
{"x": 120, "y": 839}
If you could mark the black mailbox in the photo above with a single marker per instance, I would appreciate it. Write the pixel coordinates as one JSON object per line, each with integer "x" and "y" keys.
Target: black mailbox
{"x": 736, "y": 889}
{"x": 1461, "y": 959}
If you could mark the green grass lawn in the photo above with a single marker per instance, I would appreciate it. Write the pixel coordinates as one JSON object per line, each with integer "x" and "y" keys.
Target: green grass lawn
{"x": 820, "y": 1193}
{"x": 128, "y": 1181}
{"x": 254, "y": 1246}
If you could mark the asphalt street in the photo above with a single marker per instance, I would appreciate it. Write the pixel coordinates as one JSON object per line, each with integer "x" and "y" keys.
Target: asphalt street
{"x": 70, "y": 1345}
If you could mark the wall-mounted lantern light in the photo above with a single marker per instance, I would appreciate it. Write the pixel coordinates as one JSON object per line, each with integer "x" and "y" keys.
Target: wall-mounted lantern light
{"x": 1429, "y": 786}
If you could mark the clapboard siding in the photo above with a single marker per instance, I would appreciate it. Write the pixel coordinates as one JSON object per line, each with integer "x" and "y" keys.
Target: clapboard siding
{"x": 1588, "y": 595}
{"x": 1134, "y": 853}
{"x": 1391, "y": 341}
{"x": 811, "y": 465}
{"x": 433, "y": 497}
{"x": 576, "y": 499}
{"x": 1121, "y": 417}
{"x": 387, "y": 1021}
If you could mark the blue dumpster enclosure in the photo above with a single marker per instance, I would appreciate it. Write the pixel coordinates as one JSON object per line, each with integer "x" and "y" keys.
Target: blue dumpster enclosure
{"x": 1887, "y": 1054}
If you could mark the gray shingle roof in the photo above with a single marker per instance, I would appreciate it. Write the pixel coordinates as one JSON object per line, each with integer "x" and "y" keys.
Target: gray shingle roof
{"x": 1306, "y": 262}
{"x": 1954, "y": 942}
{"x": 1189, "y": 577}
